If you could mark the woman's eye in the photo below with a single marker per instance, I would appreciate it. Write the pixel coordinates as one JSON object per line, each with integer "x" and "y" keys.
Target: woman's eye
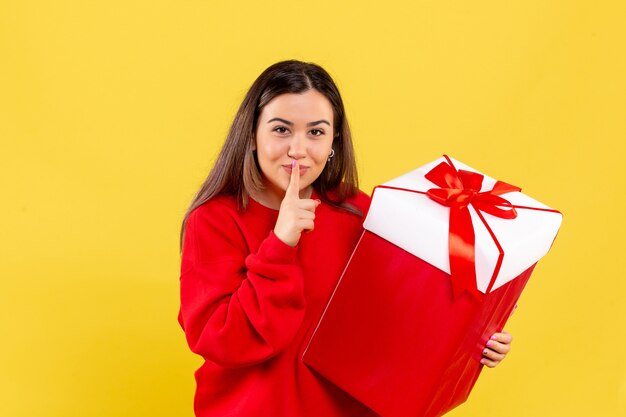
{"x": 320, "y": 132}
{"x": 280, "y": 129}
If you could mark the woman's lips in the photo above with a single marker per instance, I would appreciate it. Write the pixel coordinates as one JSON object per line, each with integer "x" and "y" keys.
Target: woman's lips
{"x": 303, "y": 169}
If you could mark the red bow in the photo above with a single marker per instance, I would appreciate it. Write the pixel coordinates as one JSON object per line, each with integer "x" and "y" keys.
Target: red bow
{"x": 459, "y": 189}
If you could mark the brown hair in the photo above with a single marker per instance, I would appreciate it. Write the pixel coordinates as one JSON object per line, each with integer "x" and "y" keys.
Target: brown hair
{"x": 236, "y": 171}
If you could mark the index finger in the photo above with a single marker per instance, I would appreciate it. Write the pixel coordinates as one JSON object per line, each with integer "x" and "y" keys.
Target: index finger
{"x": 293, "y": 188}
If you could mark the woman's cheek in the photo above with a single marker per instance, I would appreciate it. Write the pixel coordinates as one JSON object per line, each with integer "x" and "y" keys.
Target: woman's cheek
{"x": 319, "y": 155}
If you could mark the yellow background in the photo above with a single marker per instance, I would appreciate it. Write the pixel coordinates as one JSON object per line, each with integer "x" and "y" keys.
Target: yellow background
{"x": 111, "y": 114}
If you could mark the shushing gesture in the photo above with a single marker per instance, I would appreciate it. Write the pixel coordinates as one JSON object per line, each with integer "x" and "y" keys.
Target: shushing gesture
{"x": 295, "y": 214}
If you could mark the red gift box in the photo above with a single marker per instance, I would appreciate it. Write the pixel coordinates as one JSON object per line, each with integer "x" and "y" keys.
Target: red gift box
{"x": 405, "y": 337}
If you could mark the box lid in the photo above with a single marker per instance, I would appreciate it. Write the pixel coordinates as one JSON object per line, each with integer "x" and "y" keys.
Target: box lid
{"x": 419, "y": 225}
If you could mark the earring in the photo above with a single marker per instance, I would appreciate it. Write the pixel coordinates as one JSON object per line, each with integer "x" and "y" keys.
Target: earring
{"x": 332, "y": 153}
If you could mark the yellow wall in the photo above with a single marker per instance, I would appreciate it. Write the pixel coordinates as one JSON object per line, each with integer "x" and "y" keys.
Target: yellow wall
{"x": 111, "y": 113}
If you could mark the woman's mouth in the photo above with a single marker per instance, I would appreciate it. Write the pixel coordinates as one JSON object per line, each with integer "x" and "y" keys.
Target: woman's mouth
{"x": 303, "y": 169}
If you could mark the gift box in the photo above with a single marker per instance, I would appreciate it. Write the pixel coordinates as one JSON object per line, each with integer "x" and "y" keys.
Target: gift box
{"x": 445, "y": 254}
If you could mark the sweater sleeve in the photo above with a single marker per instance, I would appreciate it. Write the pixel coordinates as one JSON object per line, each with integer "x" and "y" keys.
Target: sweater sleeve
{"x": 237, "y": 308}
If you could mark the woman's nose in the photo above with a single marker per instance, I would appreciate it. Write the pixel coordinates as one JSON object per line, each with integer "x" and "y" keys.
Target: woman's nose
{"x": 296, "y": 147}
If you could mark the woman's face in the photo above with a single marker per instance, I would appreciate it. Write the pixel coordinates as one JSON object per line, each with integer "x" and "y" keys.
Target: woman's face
{"x": 293, "y": 126}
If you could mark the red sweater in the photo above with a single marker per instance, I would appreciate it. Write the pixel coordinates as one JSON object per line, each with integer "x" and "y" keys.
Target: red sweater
{"x": 249, "y": 303}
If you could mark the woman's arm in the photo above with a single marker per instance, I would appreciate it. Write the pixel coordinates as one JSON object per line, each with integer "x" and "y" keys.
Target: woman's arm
{"x": 237, "y": 308}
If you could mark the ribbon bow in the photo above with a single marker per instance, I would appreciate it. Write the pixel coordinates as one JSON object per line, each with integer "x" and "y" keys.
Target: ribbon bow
{"x": 458, "y": 190}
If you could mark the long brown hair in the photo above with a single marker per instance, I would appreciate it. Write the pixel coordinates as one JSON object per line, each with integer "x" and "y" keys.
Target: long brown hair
{"x": 236, "y": 171}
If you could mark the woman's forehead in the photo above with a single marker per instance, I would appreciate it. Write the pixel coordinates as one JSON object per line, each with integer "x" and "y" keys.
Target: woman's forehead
{"x": 304, "y": 107}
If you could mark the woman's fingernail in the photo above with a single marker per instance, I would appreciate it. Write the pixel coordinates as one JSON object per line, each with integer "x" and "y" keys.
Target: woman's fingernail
{"x": 485, "y": 352}
{"x": 483, "y": 361}
{"x": 293, "y": 163}
{"x": 490, "y": 343}
{"x": 494, "y": 337}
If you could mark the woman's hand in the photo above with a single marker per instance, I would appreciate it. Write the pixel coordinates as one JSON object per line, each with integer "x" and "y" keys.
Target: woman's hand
{"x": 295, "y": 214}
{"x": 496, "y": 349}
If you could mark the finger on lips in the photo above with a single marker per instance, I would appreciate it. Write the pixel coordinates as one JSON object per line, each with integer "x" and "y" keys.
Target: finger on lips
{"x": 305, "y": 208}
{"x": 294, "y": 180}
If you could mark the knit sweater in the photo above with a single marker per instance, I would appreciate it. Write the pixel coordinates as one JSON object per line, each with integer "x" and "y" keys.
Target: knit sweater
{"x": 249, "y": 304}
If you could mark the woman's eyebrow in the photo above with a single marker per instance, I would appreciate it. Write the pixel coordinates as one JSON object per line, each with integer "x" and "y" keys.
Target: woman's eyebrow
{"x": 318, "y": 122}
{"x": 291, "y": 123}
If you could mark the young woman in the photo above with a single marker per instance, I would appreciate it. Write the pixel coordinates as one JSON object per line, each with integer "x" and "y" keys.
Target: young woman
{"x": 263, "y": 244}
